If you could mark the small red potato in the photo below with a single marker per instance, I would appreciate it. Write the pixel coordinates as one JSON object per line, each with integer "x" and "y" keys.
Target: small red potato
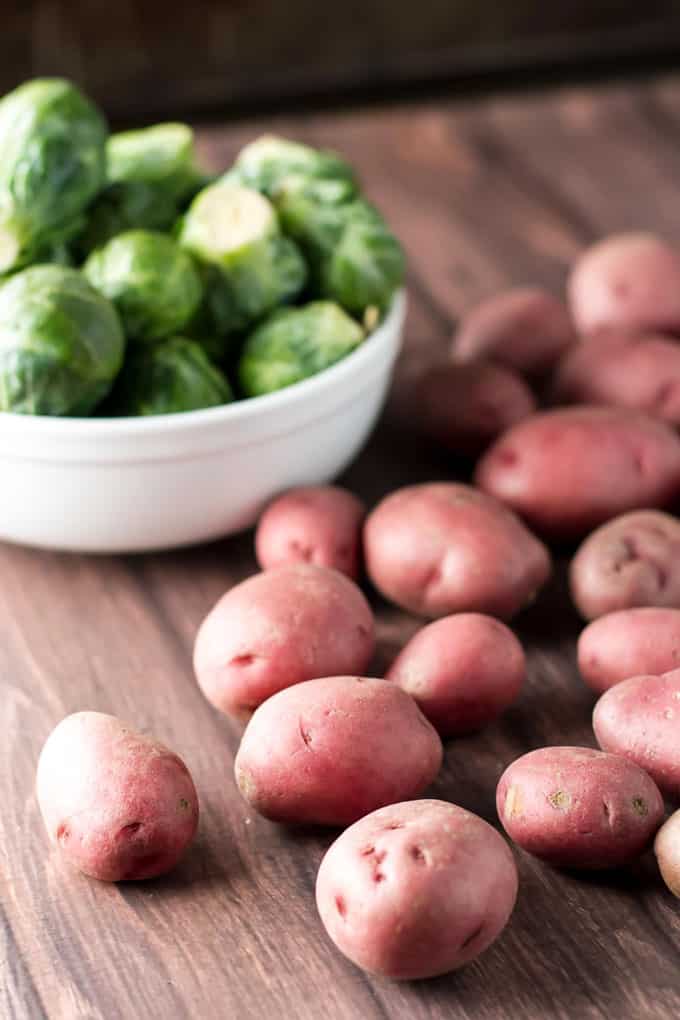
{"x": 444, "y": 548}
{"x": 667, "y": 850}
{"x": 640, "y": 720}
{"x": 578, "y": 808}
{"x": 319, "y": 524}
{"x": 327, "y": 752}
{"x": 525, "y": 328}
{"x": 416, "y": 889}
{"x": 629, "y": 281}
{"x": 640, "y": 371}
{"x": 629, "y": 643}
{"x": 462, "y": 671}
{"x": 464, "y": 407}
{"x": 631, "y": 561}
{"x": 277, "y": 629}
{"x": 117, "y": 805}
{"x": 566, "y": 471}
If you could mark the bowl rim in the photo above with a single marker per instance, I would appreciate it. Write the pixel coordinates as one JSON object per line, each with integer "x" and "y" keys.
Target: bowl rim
{"x": 239, "y": 410}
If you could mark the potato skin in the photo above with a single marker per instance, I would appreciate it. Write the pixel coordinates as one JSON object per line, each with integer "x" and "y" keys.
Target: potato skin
{"x": 667, "y": 850}
{"x": 633, "y": 560}
{"x": 117, "y": 805}
{"x": 317, "y": 524}
{"x": 416, "y": 889}
{"x": 629, "y": 281}
{"x": 525, "y": 328}
{"x": 326, "y": 752}
{"x": 443, "y": 548}
{"x": 464, "y": 407}
{"x": 569, "y": 470}
{"x": 629, "y": 643}
{"x": 462, "y": 671}
{"x": 638, "y": 719}
{"x": 640, "y": 371}
{"x": 578, "y": 808}
{"x": 277, "y": 629}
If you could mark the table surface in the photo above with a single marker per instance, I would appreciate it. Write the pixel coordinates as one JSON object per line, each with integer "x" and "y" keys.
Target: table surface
{"x": 485, "y": 193}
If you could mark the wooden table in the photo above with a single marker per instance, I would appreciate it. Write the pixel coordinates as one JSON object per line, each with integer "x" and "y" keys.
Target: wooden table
{"x": 484, "y": 193}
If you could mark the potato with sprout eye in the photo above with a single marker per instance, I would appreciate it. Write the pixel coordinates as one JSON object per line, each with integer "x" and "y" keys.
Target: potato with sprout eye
{"x": 62, "y": 343}
{"x": 416, "y": 889}
{"x": 250, "y": 266}
{"x": 52, "y": 164}
{"x": 294, "y": 344}
{"x": 264, "y": 163}
{"x": 169, "y": 377}
{"x": 151, "y": 281}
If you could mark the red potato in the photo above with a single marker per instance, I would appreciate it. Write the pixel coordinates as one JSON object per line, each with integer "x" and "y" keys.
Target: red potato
{"x": 629, "y": 281}
{"x": 462, "y": 671}
{"x": 567, "y": 471}
{"x": 667, "y": 850}
{"x": 640, "y": 720}
{"x": 327, "y": 752}
{"x": 578, "y": 808}
{"x": 117, "y": 805}
{"x": 525, "y": 328}
{"x": 444, "y": 548}
{"x": 319, "y": 524}
{"x": 640, "y": 371}
{"x": 631, "y": 561}
{"x": 629, "y": 643}
{"x": 280, "y": 628}
{"x": 416, "y": 889}
{"x": 464, "y": 407}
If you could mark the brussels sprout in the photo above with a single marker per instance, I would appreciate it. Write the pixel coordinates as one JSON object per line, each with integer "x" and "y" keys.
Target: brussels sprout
{"x": 295, "y": 343}
{"x": 62, "y": 343}
{"x": 171, "y": 376}
{"x": 264, "y": 163}
{"x": 151, "y": 281}
{"x": 162, "y": 155}
{"x": 250, "y": 266}
{"x": 123, "y": 206}
{"x": 354, "y": 259}
{"x": 52, "y": 163}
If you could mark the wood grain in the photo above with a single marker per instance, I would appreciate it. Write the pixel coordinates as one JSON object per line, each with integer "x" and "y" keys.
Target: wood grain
{"x": 484, "y": 193}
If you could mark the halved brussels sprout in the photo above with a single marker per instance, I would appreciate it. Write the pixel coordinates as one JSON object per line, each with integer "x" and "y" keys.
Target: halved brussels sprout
{"x": 171, "y": 376}
{"x": 62, "y": 343}
{"x": 162, "y": 155}
{"x": 294, "y": 344}
{"x": 151, "y": 281}
{"x": 250, "y": 266}
{"x": 264, "y": 163}
{"x": 52, "y": 164}
{"x": 354, "y": 258}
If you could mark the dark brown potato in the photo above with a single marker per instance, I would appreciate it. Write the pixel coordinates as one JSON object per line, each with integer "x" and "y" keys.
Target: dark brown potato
{"x": 640, "y": 371}
{"x": 465, "y": 407}
{"x": 629, "y": 281}
{"x": 569, "y": 470}
{"x": 525, "y": 328}
{"x": 633, "y": 560}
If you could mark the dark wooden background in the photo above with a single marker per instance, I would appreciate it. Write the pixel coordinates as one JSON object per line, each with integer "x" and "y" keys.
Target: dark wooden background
{"x": 155, "y": 58}
{"x": 485, "y": 193}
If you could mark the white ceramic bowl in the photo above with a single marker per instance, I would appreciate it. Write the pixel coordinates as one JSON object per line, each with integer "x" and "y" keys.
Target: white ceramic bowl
{"x": 129, "y": 484}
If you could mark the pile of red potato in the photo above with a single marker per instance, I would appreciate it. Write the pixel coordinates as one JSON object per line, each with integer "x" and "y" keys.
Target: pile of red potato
{"x": 416, "y": 887}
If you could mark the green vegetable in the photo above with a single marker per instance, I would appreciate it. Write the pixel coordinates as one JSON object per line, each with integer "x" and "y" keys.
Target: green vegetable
{"x": 162, "y": 155}
{"x": 250, "y": 267}
{"x": 295, "y": 343}
{"x": 124, "y": 206}
{"x": 354, "y": 258}
{"x": 264, "y": 163}
{"x": 52, "y": 164}
{"x": 62, "y": 343}
{"x": 171, "y": 376}
{"x": 151, "y": 281}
